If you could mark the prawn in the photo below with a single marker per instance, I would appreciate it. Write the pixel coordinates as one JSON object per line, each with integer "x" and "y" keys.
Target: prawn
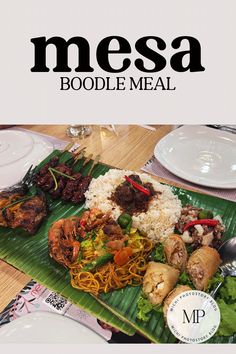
{"x": 63, "y": 246}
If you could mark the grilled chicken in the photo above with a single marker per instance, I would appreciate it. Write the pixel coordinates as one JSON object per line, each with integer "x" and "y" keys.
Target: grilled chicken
{"x": 27, "y": 214}
{"x": 7, "y": 198}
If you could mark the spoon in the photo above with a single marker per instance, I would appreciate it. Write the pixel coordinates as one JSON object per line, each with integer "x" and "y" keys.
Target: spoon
{"x": 228, "y": 256}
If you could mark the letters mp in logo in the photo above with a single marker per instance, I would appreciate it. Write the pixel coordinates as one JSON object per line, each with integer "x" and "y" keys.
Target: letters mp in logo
{"x": 193, "y": 317}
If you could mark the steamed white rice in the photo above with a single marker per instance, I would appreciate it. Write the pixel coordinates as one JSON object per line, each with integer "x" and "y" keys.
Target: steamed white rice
{"x": 163, "y": 212}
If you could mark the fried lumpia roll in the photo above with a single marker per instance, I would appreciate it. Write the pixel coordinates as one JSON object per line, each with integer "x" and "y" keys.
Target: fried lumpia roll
{"x": 158, "y": 281}
{"x": 177, "y": 291}
{"x": 202, "y": 265}
{"x": 175, "y": 252}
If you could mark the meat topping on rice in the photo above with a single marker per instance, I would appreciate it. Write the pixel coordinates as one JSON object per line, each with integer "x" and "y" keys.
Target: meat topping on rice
{"x": 163, "y": 210}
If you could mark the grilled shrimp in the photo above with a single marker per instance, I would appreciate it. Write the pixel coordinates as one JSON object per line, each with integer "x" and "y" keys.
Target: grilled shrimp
{"x": 63, "y": 246}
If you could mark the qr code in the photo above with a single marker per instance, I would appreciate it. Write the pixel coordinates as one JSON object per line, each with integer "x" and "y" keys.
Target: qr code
{"x": 57, "y": 302}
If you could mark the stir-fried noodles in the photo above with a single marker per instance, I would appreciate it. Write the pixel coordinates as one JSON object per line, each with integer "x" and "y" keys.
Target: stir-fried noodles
{"x": 112, "y": 276}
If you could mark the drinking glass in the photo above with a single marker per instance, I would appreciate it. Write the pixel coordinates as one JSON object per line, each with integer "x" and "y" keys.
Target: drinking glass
{"x": 78, "y": 131}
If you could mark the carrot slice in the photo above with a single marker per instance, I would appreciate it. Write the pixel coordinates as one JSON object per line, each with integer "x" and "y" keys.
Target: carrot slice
{"x": 122, "y": 256}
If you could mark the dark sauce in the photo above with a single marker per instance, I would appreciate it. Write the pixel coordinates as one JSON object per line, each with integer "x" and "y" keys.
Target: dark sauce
{"x": 132, "y": 200}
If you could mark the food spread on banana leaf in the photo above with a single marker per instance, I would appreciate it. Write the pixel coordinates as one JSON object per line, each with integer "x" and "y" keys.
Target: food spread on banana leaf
{"x": 102, "y": 253}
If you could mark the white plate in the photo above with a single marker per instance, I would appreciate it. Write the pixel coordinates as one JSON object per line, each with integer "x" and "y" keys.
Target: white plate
{"x": 201, "y": 155}
{"x": 10, "y": 141}
{"x": 18, "y": 151}
{"x": 47, "y": 327}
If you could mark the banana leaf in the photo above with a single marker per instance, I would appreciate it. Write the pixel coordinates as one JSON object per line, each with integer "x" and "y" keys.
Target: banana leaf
{"x": 119, "y": 308}
{"x": 123, "y": 302}
{"x": 30, "y": 253}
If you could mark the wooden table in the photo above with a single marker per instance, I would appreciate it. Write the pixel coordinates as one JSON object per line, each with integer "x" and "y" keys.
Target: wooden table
{"x": 129, "y": 148}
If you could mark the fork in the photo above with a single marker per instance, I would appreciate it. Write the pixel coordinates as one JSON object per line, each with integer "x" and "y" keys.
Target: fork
{"x": 24, "y": 183}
